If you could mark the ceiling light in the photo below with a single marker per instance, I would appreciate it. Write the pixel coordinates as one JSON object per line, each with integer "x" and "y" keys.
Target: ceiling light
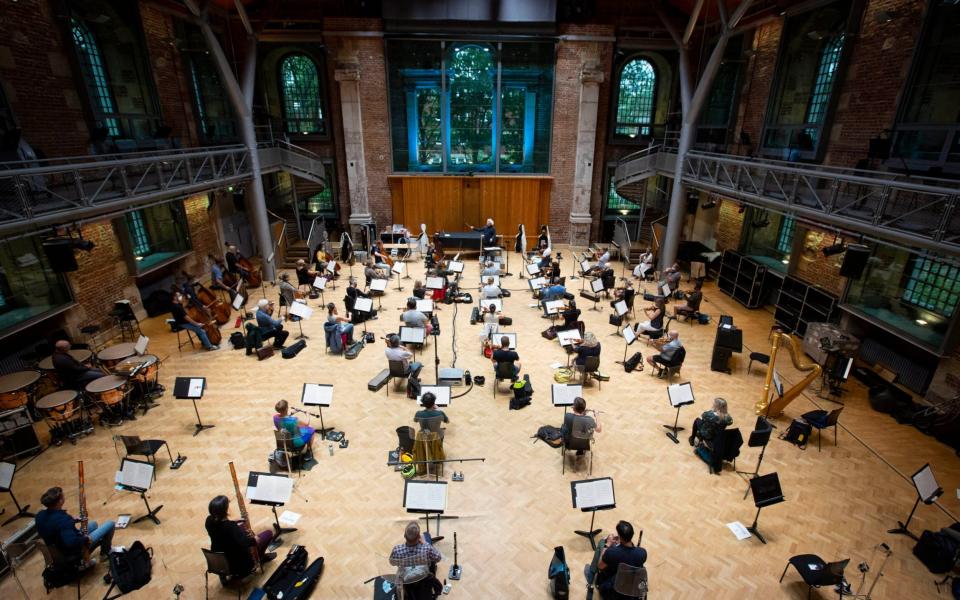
{"x": 921, "y": 322}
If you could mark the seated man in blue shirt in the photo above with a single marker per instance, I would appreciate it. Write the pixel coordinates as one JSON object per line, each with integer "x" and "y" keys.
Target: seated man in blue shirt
{"x": 619, "y": 550}
{"x": 553, "y": 292}
{"x": 58, "y": 530}
{"x": 270, "y": 327}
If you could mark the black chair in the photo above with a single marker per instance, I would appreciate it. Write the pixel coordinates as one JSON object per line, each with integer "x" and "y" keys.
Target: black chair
{"x": 821, "y": 419}
{"x": 589, "y": 368}
{"x": 724, "y": 448}
{"x": 579, "y": 439}
{"x": 671, "y": 367}
{"x": 148, "y": 448}
{"x": 760, "y": 357}
{"x": 178, "y": 330}
{"x": 817, "y": 573}
{"x": 503, "y": 372}
{"x": 405, "y": 438}
{"x": 398, "y": 370}
{"x": 217, "y": 564}
{"x": 630, "y": 581}
{"x": 70, "y": 569}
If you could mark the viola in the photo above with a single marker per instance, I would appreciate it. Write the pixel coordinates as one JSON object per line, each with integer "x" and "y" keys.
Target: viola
{"x": 219, "y": 309}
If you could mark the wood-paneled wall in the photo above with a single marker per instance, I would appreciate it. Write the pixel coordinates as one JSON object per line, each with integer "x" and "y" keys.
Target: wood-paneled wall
{"x": 449, "y": 203}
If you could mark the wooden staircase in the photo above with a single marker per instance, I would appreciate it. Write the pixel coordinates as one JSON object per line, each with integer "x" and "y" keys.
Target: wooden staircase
{"x": 296, "y": 248}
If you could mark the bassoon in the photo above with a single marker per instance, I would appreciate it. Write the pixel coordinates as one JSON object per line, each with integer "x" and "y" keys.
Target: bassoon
{"x": 84, "y": 519}
{"x": 245, "y": 519}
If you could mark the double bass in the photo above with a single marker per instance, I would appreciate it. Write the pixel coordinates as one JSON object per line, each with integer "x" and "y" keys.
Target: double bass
{"x": 386, "y": 255}
{"x": 218, "y": 308}
{"x": 206, "y": 320}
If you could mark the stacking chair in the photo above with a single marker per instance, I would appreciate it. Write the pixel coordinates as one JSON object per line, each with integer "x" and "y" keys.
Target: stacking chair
{"x": 217, "y": 564}
{"x": 148, "y": 448}
{"x": 55, "y": 560}
{"x": 178, "y": 330}
{"x": 434, "y": 424}
{"x": 589, "y": 368}
{"x": 631, "y": 581}
{"x": 291, "y": 454}
{"x": 815, "y": 572}
{"x": 580, "y": 438}
{"x": 503, "y": 372}
{"x": 821, "y": 419}
{"x": 398, "y": 371}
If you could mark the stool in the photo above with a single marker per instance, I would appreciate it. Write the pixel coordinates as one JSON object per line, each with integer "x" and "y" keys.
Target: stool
{"x": 761, "y": 358}
{"x": 178, "y": 330}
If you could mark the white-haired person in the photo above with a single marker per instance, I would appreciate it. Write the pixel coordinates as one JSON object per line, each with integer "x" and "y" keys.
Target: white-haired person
{"x": 489, "y": 232}
{"x": 270, "y": 327}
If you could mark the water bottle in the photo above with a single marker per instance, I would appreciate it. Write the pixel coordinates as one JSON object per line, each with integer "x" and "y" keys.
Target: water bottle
{"x": 330, "y": 449}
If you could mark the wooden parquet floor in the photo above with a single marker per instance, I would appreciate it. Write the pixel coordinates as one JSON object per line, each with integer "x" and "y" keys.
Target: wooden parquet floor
{"x": 514, "y": 507}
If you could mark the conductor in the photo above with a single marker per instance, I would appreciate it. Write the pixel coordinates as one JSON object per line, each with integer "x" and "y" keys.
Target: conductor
{"x": 489, "y": 233}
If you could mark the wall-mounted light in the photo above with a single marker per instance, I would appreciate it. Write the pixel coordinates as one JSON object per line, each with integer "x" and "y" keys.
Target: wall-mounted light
{"x": 836, "y": 248}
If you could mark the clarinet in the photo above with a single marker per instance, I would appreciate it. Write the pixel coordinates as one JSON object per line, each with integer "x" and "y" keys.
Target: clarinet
{"x": 245, "y": 519}
{"x": 84, "y": 519}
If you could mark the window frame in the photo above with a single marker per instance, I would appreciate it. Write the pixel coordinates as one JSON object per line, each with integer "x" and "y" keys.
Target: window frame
{"x": 324, "y": 132}
{"x": 912, "y": 284}
{"x": 98, "y": 94}
{"x": 615, "y": 97}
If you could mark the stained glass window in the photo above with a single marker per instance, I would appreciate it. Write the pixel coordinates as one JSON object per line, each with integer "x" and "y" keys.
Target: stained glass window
{"x": 300, "y": 87}
{"x": 933, "y": 285}
{"x": 95, "y": 75}
{"x": 638, "y": 82}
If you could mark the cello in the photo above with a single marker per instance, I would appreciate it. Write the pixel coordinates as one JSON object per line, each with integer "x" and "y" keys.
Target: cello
{"x": 202, "y": 316}
{"x": 386, "y": 255}
{"x": 346, "y": 249}
{"x": 252, "y": 276}
{"x": 218, "y": 308}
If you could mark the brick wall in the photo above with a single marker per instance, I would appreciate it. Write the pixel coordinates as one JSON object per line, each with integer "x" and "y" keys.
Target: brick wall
{"x": 759, "y": 77}
{"x": 729, "y": 225}
{"x": 36, "y": 72}
{"x": 204, "y": 235}
{"x": 809, "y": 264}
{"x": 173, "y": 91}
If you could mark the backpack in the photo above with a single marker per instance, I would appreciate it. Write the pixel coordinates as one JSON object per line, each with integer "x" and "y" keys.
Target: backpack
{"x": 550, "y": 333}
{"x": 522, "y": 393}
{"x": 552, "y": 436}
{"x": 938, "y": 551}
{"x": 354, "y": 349}
{"x": 616, "y": 320}
{"x": 413, "y": 387}
{"x": 237, "y": 340}
{"x": 563, "y": 375}
{"x": 474, "y": 315}
{"x": 798, "y": 433}
{"x": 632, "y": 363}
{"x": 703, "y": 319}
{"x": 559, "y": 575}
{"x": 253, "y": 339}
{"x": 132, "y": 569}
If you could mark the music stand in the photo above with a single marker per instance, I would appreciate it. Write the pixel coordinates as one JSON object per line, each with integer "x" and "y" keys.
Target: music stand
{"x": 238, "y": 301}
{"x": 380, "y": 286}
{"x": 766, "y": 492}
{"x": 332, "y": 269}
{"x": 536, "y": 283}
{"x": 440, "y": 392}
{"x": 6, "y": 485}
{"x": 320, "y": 284}
{"x": 425, "y": 306}
{"x": 136, "y": 476}
{"x": 591, "y": 495}
{"x": 927, "y": 490}
{"x": 363, "y": 305}
{"x": 413, "y": 335}
{"x": 302, "y": 312}
{"x": 759, "y": 438}
{"x": 192, "y": 388}
{"x": 319, "y": 395}
{"x": 679, "y": 395}
{"x": 533, "y": 269}
{"x": 398, "y": 269}
{"x": 597, "y": 287}
{"x": 455, "y": 266}
{"x": 270, "y": 490}
{"x": 506, "y": 334}
{"x": 629, "y": 336}
{"x": 620, "y": 308}
{"x": 427, "y": 498}
{"x": 562, "y": 394}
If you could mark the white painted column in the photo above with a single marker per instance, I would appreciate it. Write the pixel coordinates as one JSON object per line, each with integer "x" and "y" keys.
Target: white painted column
{"x": 347, "y": 75}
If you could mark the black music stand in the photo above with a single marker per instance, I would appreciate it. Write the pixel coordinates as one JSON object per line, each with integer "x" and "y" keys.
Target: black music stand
{"x": 759, "y": 438}
{"x": 766, "y": 492}
{"x": 363, "y": 306}
{"x": 679, "y": 395}
{"x": 192, "y": 388}
{"x": 621, "y": 310}
{"x": 591, "y": 495}
{"x": 427, "y": 498}
{"x": 927, "y": 490}
{"x": 562, "y": 394}
{"x": 629, "y": 337}
{"x": 136, "y": 476}
{"x": 319, "y": 284}
{"x": 597, "y": 287}
{"x": 319, "y": 395}
{"x": 6, "y": 485}
{"x": 267, "y": 489}
{"x": 302, "y": 312}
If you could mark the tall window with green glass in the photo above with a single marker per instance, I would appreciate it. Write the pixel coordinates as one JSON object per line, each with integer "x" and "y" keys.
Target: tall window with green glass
{"x": 635, "y": 98}
{"x": 95, "y": 76}
{"x": 300, "y": 90}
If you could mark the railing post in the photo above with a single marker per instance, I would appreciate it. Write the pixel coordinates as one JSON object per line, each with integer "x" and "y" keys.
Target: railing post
{"x": 18, "y": 184}
{"x": 124, "y": 180}
{"x": 882, "y": 205}
{"x": 946, "y": 217}
{"x": 78, "y": 181}
{"x": 834, "y": 193}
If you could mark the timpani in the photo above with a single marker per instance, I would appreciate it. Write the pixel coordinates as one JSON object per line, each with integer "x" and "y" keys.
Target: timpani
{"x": 50, "y": 381}
{"x": 15, "y": 388}
{"x": 110, "y": 356}
{"x": 146, "y": 366}
{"x": 59, "y": 410}
{"x": 108, "y": 391}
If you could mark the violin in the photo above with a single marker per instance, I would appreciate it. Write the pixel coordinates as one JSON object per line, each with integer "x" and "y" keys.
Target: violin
{"x": 219, "y": 309}
{"x": 206, "y": 320}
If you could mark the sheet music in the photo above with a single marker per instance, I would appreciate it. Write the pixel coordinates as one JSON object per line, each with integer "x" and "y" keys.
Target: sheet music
{"x": 496, "y": 302}
{"x": 195, "y": 389}
{"x": 484, "y": 278}
{"x": 398, "y": 268}
{"x": 680, "y": 394}
{"x": 6, "y": 474}
{"x": 597, "y": 285}
{"x": 665, "y": 289}
{"x": 568, "y": 337}
{"x": 536, "y": 283}
{"x": 135, "y": 474}
{"x": 554, "y": 306}
{"x": 425, "y": 496}
{"x": 363, "y": 305}
{"x": 629, "y": 335}
{"x": 271, "y": 488}
{"x": 425, "y": 306}
{"x": 585, "y": 265}
{"x": 300, "y": 309}
{"x": 563, "y": 393}
{"x": 510, "y": 336}
{"x": 925, "y": 483}
{"x": 434, "y": 283}
{"x": 594, "y": 493}
{"x": 621, "y": 307}
{"x": 378, "y": 285}
{"x": 533, "y": 269}
{"x": 777, "y": 383}
{"x": 317, "y": 394}
{"x": 455, "y": 266}
{"x": 442, "y": 392}
{"x": 738, "y": 530}
{"x": 332, "y": 267}
{"x": 413, "y": 335}
{"x": 141, "y": 346}
{"x": 320, "y": 283}
{"x": 238, "y": 301}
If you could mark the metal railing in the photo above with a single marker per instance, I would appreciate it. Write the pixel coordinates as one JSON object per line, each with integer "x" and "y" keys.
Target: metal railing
{"x": 278, "y": 153}
{"x": 281, "y": 237}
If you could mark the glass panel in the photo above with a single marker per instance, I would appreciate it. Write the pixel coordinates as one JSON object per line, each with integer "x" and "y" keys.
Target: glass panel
{"x": 764, "y": 233}
{"x": 935, "y": 92}
{"x": 512, "y": 104}
{"x": 429, "y": 127}
{"x": 156, "y": 234}
{"x": 526, "y": 106}
{"x": 932, "y": 285}
{"x": 638, "y": 82}
{"x": 829, "y": 59}
{"x": 788, "y": 227}
{"x": 717, "y": 113}
{"x": 922, "y": 144}
{"x": 300, "y": 87}
{"x": 95, "y": 76}
{"x": 415, "y": 105}
{"x": 471, "y": 75}
{"x": 139, "y": 240}
{"x": 28, "y": 286}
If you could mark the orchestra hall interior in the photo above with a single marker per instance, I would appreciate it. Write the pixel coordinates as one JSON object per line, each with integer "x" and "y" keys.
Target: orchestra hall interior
{"x": 689, "y": 268}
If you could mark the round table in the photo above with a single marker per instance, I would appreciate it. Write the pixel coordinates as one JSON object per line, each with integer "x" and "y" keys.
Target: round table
{"x": 111, "y": 355}
{"x": 79, "y": 354}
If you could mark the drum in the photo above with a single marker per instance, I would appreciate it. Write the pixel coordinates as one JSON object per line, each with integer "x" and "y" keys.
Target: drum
{"x": 59, "y": 407}
{"x": 112, "y": 355}
{"x": 146, "y": 367}
{"x": 15, "y": 388}
{"x": 107, "y": 390}
{"x": 79, "y": 354}
{"x": 50, "y": 382}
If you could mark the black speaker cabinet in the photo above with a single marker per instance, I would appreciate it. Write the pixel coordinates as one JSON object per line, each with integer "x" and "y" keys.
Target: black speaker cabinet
{"x": 59, "y": 253}
{"x": 721, "y": 359}
{"x": 854, "y": 261}
{"x": 731, "y": 339}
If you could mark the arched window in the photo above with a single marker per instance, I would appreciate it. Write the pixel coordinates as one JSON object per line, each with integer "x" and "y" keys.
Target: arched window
{"x": 300, "y": 88}
{"x": 95, "y": 75}
{"x": 635, "y": 99}
{"x": 826, "y": 71}
{"x": 472, "y": 77}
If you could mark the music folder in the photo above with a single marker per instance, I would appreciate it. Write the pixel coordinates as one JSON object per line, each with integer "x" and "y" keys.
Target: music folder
{"x": 379, "y": 285}
{"x": 926, "y": 484}
{"x": 141, "y": 347}
{"x": 533, "y": 269}
{"x": 621, "y": 307}
{"x": 434, "y": 283}
{"x": 504, "y": 334}
{"x": 238, "y": 301}
{"x": 766, "y": 490}
{"x": 455, "y": 266}
{"x": 554, "y": 306}
{"x": 680, "y": 394}
{"x": 496, "y": 302}
{"x": 189, "y": 388}
{"x": 593, "y": 494}
{"x": 629, "y": 335}
{"x": 266, "y": 488}
{"x": 363, "y": 305}
{"x": 300, "y": 309}
{"x": 425, "y": 306}
{"x": 398, "y": 268}
{"x": 536, "y": 283}
{"x": 332, "y": 267}
{"x": 484, "y": 278}
{"x": 563, "y": 394}
{"x": 6, "y": 475}
{"x": 597, "y": 285}
{"x": 567, "y": 338}
{"x": 316, "y": 394}
{"x": 442, "y": 392}
{"x": 584, "y": 266}
{"x": 413, "y": 335}
{"x": 425, "y": 496}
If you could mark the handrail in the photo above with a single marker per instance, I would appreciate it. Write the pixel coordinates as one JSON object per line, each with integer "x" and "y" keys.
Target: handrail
{"x": 640, "y": 153}
{"x": 281, "y": 237}
{"x": 313, "y": 225}
{"x": 105, "y": 160}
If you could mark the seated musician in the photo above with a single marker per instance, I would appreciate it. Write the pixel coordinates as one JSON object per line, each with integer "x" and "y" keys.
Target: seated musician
{"x": 414, "y": 318}
{"x": 654, "y": 320}
{"x": 491, "y": 324}
{"x": 429, "y": 410}
{"x": 73, "y": 374}
{"x": 711, "y": 423}
{"x": 417, "y": 560}
{"x": 182, "y": 320}
{"x": 603, "y": 257}
{"x": 570, "y": 314}
{"x": 490, "y": 290}
{"x": 671, "y": 277}
{"x": 233, "y": 262}
{"x": 373, "y": 271}
{"x": 545, "y": 258}
{"x": 489, "y": 232}
{"x": 305, "y": 275}
{"x": 344, "y": 326}
{"x": 217, "y": 268}
{"x": 353, "y": 292}
{"x": 667, "y": 352}
{"x": 270, "y": 327}
{"x": 645, "y": 266}
{"x": 619, "y": 549}
{"x": 579, "y": 413}
{"x": 588, "y": 346}
{"x": 543, "y": 240}
{"x": 397, "y": 352}
{"x": 300, "y": 432}
{"x": 692, "y": 305}
{"x": 227, "y": 536}
{"x": 379, "y": 258}
{"x": 490, "y": 268}
{"x": 59, "y": 530}
{"x": 550, "y": 293}
{"x": 419, "y": 292}
{"x": 626, "y": 293}
{"x": 504, "y": 354}
{"x": 288, "y": 292}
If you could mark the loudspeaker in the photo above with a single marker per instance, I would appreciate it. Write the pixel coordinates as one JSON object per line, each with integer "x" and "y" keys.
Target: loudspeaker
{"x": 720, "y": 359}
{"x": 732, "y": 339}
{"x": 238, "y": 203}
{"x": 693, "y": 199}
{"x": 854, "y": 261}
{"x": 59, "y": 253}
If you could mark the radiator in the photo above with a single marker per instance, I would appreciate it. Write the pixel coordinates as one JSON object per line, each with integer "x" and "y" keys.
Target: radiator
{"x": 910, "y": 374}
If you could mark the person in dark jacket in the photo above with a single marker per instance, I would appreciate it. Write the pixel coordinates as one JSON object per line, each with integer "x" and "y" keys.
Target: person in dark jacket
{"x": 59, "y": 530}
{"x": 73, "y": 374}
{"x": 228, "y": 537}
